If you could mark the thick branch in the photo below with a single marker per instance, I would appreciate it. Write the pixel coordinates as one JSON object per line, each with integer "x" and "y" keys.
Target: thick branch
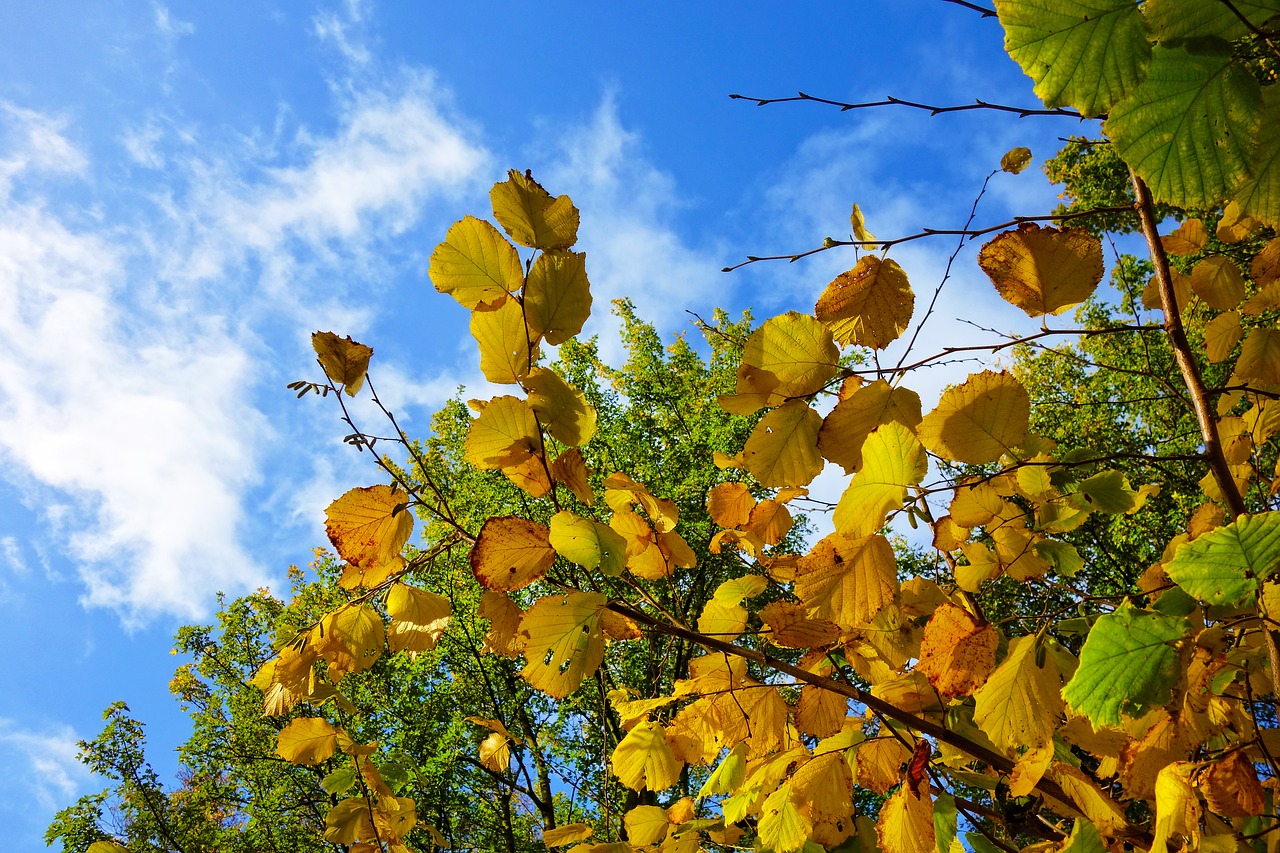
{"x": 1182, "y": 353}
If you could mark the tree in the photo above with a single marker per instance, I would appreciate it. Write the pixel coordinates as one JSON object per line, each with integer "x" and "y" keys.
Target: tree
{"x": 1013, "y": 676}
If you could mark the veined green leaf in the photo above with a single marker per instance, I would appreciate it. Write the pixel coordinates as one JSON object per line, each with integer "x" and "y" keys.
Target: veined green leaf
{"x": 1225, "y": 567}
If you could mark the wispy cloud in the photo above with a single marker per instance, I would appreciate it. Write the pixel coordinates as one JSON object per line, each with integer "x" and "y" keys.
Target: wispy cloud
{"x": 43, "y": 761}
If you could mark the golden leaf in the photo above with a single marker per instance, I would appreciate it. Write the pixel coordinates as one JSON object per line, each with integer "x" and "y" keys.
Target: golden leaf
{"x": 858, "y": 227}
{"x": 723, "y": 615}
{"x": 495, "y": 753}
{"x": 1218, "y": 282}
{"x": 505, "y": 348}
{"x": 345, "y": 362}
{"x": 906, "y": 823}
{"x": 349, "y": 822}
{"x": 504, "y": 615}
{"x": 1015, "y": 160}
{"x": 869, "y": 306}
{"x": 880, "y": 762}
{"x": 350, "y": 639}
{"x": 1021, "y": 702}
{"x": 570, "y": 469}
{"x": 892, "y": 462}
{"x": 563, "y": 641}
{"x": 791, "y": 355}
{"x": 561, "y": 408}
{"x": 557, "y": 299}
{"x": 643, "y": 759}
{"x": 368, "y": 528}
{"x": 1189, "y": 239}
{"x": 418, "y": 618}
{"x": 1043, "y": 270}
{"x": 646, "y": 824}
{"x": 567, "y": 834}
{"x": 957, "y": 652}
{"x": 1181, "y": 291}
{"x": 506, "y": 434}
{"x": 531, "y": 216}
{"x": 770, "y": 520}
{"x": 859, "y": 414}
{"x": 979, "y": 420}
{"x": 1264, "y": 269}
{"x": 511, "y": 553}
{"x": 1178, "y": 811}
{"x": 782, "y": 450}
{"x": 1260, "y": 357}
{"x": 847, "y": 580}
{"x": 1231, "y": 788}
{"x": 307, "y": 741}
{"x": 475, "y": 265}
{"x": 791, "y": 628}
{"x": 730, "y": 504}
{"x": 530, "y": 476}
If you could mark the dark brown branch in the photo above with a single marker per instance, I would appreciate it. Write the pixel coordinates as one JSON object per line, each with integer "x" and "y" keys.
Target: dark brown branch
{"x": 985, "y": 12}
{"x": 933, "y": 110}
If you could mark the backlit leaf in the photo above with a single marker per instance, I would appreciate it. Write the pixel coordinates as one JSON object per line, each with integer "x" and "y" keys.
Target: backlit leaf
{"x": 643, "y": 759}
{"x": 870, "y": 305}
{"x": 588, "y": 543}
{"x": 856, "y": 416}
{"x": 345, "y": 362}
{"x": 495, "y": 752}
{"x": 1178, "y": 811}
{"x": 892, "y": 462}
{"x": 957, "y": 651}
{"x": 783, "y": 827}
{"x": 307, "y": 740}
{"x": 1015, "y": 160}
{"x": 646, "y": 824}
{"x": 504, "y": 615}
{"x": 1188, "y": 239}
{"x": 505, "y": 352}
{"x": 368, "y": 532}
{"x": 1231, "y": 787}
{"x": 475, "y": 265}
{"x": 531, "y": 216}
{"x": 567, "y": 834}
{"x": 563, "y": 641}
{"x": 978, "y": 421}
{"x": 847, "y": 580}
{"x": 1221, "y": 334}
{"x": 791, "y": 355}
{"x": 561, "y": 408}
{"x": 505, "y": 434}
{"x": 1218, "y": 282}
{"x": 1087, "y": 54}
{"x": 511, "y": 553}
{"x": 557, "y": 299}
{"x": 1260, "y": 356}
{"x": 1259, "y": 196}
{"x": 906, "y": 823}
{"x": 107, "y": 847}
{"x": 349, "y": 821}
{"x": 418, "y": 618}
{"x": 858, "y": 226}
{"x": 782, "y": 450}
{"x": 1184, "y": 19}
{"x": 1043, "y": 270}
{"x": 730, "y": 504}
{"x": 1225, "y": 566}
{"x": 723, "y": 615}
{"x": 1128, "y": 664}
{"x": 570, "y": 469}
{"x": 1021, "y": 702}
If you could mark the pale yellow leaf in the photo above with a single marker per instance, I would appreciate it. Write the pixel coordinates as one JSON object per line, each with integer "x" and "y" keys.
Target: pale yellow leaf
{"x": 588, "y": 543}
{"x": 557, "y": 298}
{"x": 567, "y": 834}
{"x": 1021, "y": 703}
{"x": 906, "y": 823}
{"x": 1178, "y": 811}
{"x": 857, "y": 415}
{"x": 892, "y": 462}
{"x": 643, "y": 759}
{"x": 563, "y": 641}
{"x": 783, "y": 448}
{"x": 646, "y": 824}
{"x": 847, "y": 580}
{"x": 783, "y": 827}
{"x": 978, "y": 421}
{"x": 475, "y": 265}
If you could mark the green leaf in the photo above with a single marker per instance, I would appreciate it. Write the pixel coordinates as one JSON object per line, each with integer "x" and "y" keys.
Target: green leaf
{"x": 588, "y": 543}
{"x": 1182, "y": 19}
{"x": 339, "y": 781}
{"x": 1188, "y": 129}
{"x": 1128, "y": 663}
{"x": 944, "y": 821}
{"x": 1084, "y": 53}
{"x": 1084, "y": 838}
{"x": 1224, "y": 567}
{"x": 1260, "y": 195}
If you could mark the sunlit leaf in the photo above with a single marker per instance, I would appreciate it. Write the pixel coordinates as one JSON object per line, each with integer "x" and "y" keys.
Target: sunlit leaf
{"x": 504, "y": 615}
{"x": 856, "y": 416}
{"x": 1218, "y": 282}
{"x": 1221, "y": 334}
{"x": 531, "y": 216}
{"x": 870, "y": 305}
{"x": 1178, "y": 811}
{"x": 858, "y": 227}
{"x": 723, "y": 615}
{"x": 418, "y": 618}
{"x": 475, "y": 265}
{"x": 563, "y": 641}
{"x": 791, "y": 355}
{"x": 495, "y": 752}
{"x": 1188, "y": 239}
{"x": 505, "y": 351}
{"x": 730, "y": 504}
{"x": 1183, "y": 19}
{"x": 561, "y": 408}
{"x": 511, "y": 553}
{"x": 567, "y": 834}
{"x": 783, "y": 448}
{"x": 957, "y": 652}
{"x": 349, "y": 822}
{"x": 506, "y": 433}
{"x": 646, "y": 824}
{"x": 307, "y": 740}
{"x": 643, "y": 759}
{"x": 1043, "y": 270}
{"x": 783, "y": 827}
{"x": 570, "y": 469}
{"x": 1015, "y": 160}
{"x": 1021, "y": 702}
{"x": 1260, "y": 356}
{"x": 1231, "y": 787}
{"x": 1259, "y": 196}
{"x": 847, "y": 580}
{"x": 978, "y": 421}
{"x": 369, "y": 528}
{"x": 892, "y": 462}
{"x": 588, "y": 543}
{"x": 557, "y": 299}
{"x": 345, "y": 362}
{"x": 906, "y": 823}
{"x": 1225, "y": 566}
{"x": 351, "y": 639}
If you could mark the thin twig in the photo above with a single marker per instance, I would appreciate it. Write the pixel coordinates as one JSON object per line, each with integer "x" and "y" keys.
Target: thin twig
{"x": 985, "y": 12}
{"x": 932, "y": 109}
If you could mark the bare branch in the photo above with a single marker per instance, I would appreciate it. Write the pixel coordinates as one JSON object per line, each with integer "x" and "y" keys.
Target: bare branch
{"x": 985, "y": 12}
{"x": 932, "y": 109}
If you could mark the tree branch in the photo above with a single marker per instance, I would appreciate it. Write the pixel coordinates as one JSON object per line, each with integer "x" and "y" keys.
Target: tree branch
{"x": 932, "y": 109}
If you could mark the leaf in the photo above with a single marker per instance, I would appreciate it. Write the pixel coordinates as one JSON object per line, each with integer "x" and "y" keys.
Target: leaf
{"x": 792, "y": 355}
{"x": 957, "y": 651}
{"x": 567, "y": 834}
{"x": 1225, "y": 566}
{"x": 557, "y": 298}
{"x": 1231, "y": 787}
{"x": 349, "y": 821}
{"x": 643, "y": 759}
{"x": 505, "y": 434}
{"x": 1218, "y": 282}
{"x": 1190, "y": 237}
{"x": 495, "y": 752}
{"x": 869, "y": 306}
{"x": 847, "y": 580}
{"x": 1084, "y": 838}
{"x": 723, "y": 615}
{"x": 345, "y": 362}
{"x": 893, "y": 461}
{"x": 730, "y": 504}
{"x": 1187, "y": 130}
{"x": 1128, "y": 664}
{"x": 570, "y": 469}
{"x": 1015, "y": 160}
{"x": 307, "y": 741}
{"x": 1021, "y": 702}
{"x": 978, "y": 421}
{"x": 782, "y": 450}
{"x": 562, "y": 409}
{"x": 531, "y": 216}
{"x": 511, "y": 552}
{"x": 588, "y": 543}
{"x": 505, "y": 347}
{"x": 855, "y": 417}
{"x": 1221, "y": 334}
{"x": 563, "y": 641}
{"x": 369, "y": 528}
{"x": 504, "y": 615}
{"x": 906, "y": 823}
{"x": 351, "y": 639}
{"x": 783, "y": 827}
{"x": 107, "y": 847}
{"x": 1087, "y": 54}
{"x": 858, "y": 227}
{"x": 646, "y": 824}
{"x": 1260, "y": 357}
{"x": 789, "y": 627}
{"x": 1177, "y": 809}
{"x": 1043, "y": 270}
{"x": 1172, "y": 20}
{"x": 418, "y": 618}
{"x": 475, "y": 265}
{"x": 1259, "y": 196}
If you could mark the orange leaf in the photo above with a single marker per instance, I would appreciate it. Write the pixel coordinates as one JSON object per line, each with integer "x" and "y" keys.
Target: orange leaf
{"x": 1043, "y": 270}
{"x": 869, "y": 306}
{"x": 957, "y": 652}
{"x": 368, "y": 532}
{"x": 345, "y": 362}
{"x": 511, "y": 553}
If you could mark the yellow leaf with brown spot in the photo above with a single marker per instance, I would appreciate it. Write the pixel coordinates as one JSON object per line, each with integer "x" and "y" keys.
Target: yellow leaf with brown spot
{"x": 782, "y": 450}
{"x": 791, "y": 355}
{"x": 564, "y": 642}
{"x": 906, "y": 823}
{"x": 978, "y": 421}
{"x": 557, "y": 298}
{"x": 531, "y": 216}
{"x": 561, "y": 408}
{"x": 868, "y": 306}
{"x": 846, "y": 580}
{"x": 505, "y": 348}
{"x": 957, "y": 651}
{"x": 1043, "y": 270}
{"x": 880, "y": 762}
{"x": 892, "y": 462}
{"x": 511, "y": 553}
{"x": 506, "y": 434}
{"x": 783, "y": 827}
{"x": 475, "y": 265}
{"x": 857, "y": 415}
{"x": 643, "y": 759}
{"x": 368, "y": 528}
{"x": 730, "y": 504}
{"x": 570, "y": 469}
{"x": 345, "y": 362}
{"x": 307, "y": 741}
{"x": 504, "y": 615}
{"x": 1218, "y": 282}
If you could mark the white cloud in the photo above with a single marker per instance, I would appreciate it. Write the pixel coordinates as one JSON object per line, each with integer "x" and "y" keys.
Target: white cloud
{"x": 33, "y": 142}
{"x": 44, "y": 761}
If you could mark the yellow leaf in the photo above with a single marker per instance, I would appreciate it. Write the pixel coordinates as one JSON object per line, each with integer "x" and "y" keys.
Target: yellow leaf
{"x": 1087, "y": 798}
{"x": 1218, "y": 282}
{"x": 345, "y": 362}
{"x": 505, "y": 434}
{"x": 723, "y": 615}
{"x": 1189, "y": 239}
{"x": 1181, "y": 292}
{"x": 349, "y": 821}
{"x": 826, "y": 784}
{"x": 1043, "y": 270}
{"x": 557, "y": 299}
{"x": 504, "y": 615}
{"x": 561, "y": 408}
{"x": 570, "y": 469}
{"x": 588, "y": 543}
{"x": 978, "y": 421}
{"x": 770, "y": 520}
{"x": 1266, "y": 299}
{"x": 880, "y": 763}
{"x": 957, "y": 652}
{"x": 1021, "y": 702}
{"x": 906, "y": 823}
{"x": 1030, "y": 769}
{"x": 847, "y": 580}
{"x": 1231, "y": 787}
{"x": 892, "y": 462}
{"x": 821, "y": 713}
{"x": 631, "y": 711}
{"x": 1177, "y": 809}
{"x": 856, "y": 416}
{"x": 1234, "y": 225}
{"x": 869, "y": 306}
{"x": 730, "y": 504}
{"x": 107, "y": 847}
{"x": 531, "y": 216}
{"x": 646, "y": 824}
{"x": 791, "y": 355}
{"x": 789, "y": 627}
{"x": 511, "y": 553}
{"x": 505, "y": 348}
{"x": 1221, "y": 334}
{"x": 858, "y": 226}
{"x": 1015, "y": 160}
{"x": 783, "y": 448}
{"x": 567, "y": 834}
{"x": 563, "y": 641}
{"x": 1260, "y": 357}
{"x": 622, "y": 492}
{"x": 351, "y": 639}
{"x": 369, "y": 527}
{"x": 495, "y": 753}
{"x": 643, "y": 759}
{"x": 475, "y": 265}
{"x": 530, "y": 476}
{"x": 975, "y": 504}
{"x": 783, "y": 827}
{"x": 307, "y": 740}
{"x": 418, "y": 618}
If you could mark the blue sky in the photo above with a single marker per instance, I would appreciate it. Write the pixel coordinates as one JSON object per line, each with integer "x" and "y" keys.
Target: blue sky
{"x": 188, "y": 190}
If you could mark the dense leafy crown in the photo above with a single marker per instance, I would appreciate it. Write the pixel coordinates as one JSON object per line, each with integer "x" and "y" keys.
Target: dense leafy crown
{"x": 1085, "y": 657}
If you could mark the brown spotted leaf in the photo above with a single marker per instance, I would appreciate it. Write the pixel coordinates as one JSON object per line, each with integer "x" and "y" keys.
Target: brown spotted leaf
{"x": 511, "y": 553}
